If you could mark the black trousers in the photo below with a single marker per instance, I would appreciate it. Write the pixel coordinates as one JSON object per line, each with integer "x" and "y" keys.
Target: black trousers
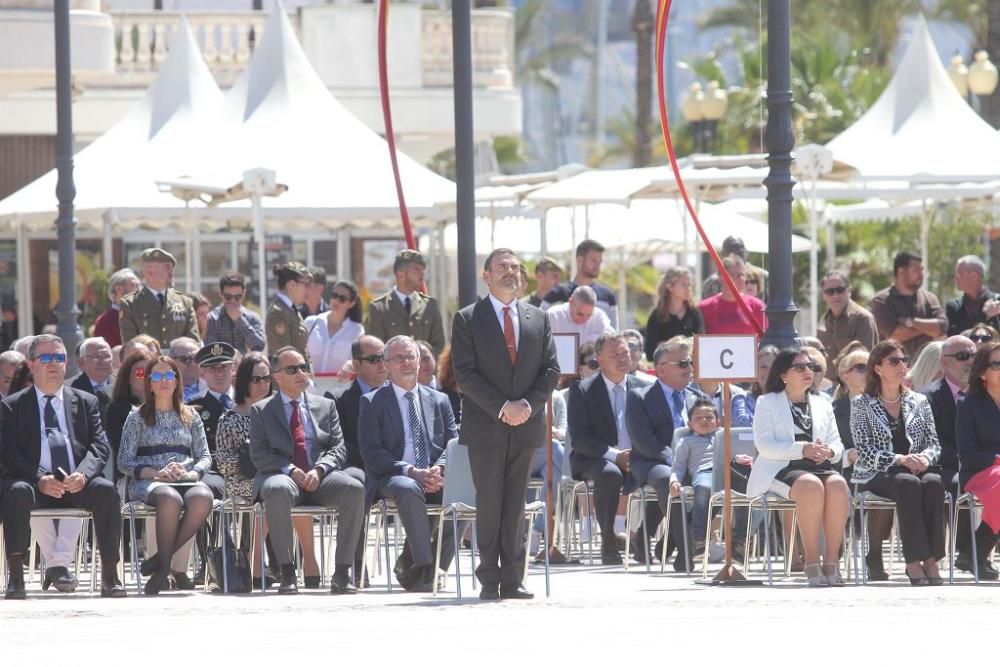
{"x": 500, "y": 475}
{"x": 919, "y": 508}
{"x": 99, "y": 497}
{"x": 608, "y": 481}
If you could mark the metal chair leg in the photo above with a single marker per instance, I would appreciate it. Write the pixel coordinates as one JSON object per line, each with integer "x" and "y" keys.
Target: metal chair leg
{"x": 645, "y": 530}
{"x": 684, "y": 527}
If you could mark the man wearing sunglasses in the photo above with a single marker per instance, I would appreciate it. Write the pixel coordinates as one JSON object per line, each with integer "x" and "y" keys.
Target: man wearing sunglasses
{"x": 184, "y": 351}
{"x": 956, "y": 362}
{"x": 157, "y": 309}
{"x": 653, "y": 413}
{"x": 230, "y": 322}
{"x": 55, "y": 451}
{"x": 844, "y": 320}
{"x": 905, "y": 311}
{"x": 977, "y": 304}
{"x": 298, "y": 449}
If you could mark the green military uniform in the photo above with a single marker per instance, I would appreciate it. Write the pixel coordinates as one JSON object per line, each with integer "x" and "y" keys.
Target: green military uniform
{"x": 284, "y": 326}
{"x": 387, "y": 318}
{"x": 141, "y": 313}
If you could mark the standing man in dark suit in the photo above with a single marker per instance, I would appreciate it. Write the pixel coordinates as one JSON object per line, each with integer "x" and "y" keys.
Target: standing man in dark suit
{"x": 956, "y": 362}
{"x": 505, "y": 363}
{"x": 404, "y": 430}
{"x": 298, "y": 450}
{"x": 653, "y": 413}
{"x": 406, "y": 311}
{"x": 602, "y": 447}
{"x": 54, "y": 450}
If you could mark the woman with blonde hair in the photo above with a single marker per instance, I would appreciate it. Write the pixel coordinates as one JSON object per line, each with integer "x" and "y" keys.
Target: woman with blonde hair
{"x": 675, "y": 313}
{"x": 927, "y": 367}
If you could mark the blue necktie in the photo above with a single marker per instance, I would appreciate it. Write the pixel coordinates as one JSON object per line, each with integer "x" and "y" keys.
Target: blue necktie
{"x": 57, "y": 441}
{"x": 624, "y": 442}
{"x": 417, "y": 432}
{"x": 227, "y": 402}
{"x": 678, "y": 401}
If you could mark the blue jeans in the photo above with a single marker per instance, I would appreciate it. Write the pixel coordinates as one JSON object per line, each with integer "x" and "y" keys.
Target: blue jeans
{"x": 702, "y": 484}
{"x": 538, "y": 470}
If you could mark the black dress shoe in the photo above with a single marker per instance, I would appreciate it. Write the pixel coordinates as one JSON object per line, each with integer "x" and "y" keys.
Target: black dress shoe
{"x": 681, "y": 566}
{"x": 611, "y": 557}
{"x": 361, "y": 576}
{"x": 986, "y": 570}
{"x": 15, "y": 582}
{"x": 61, "y": 578}
{"x": 312, "y": 581}
{"x": 489, "y": 592}
{"x": 515, "y": 592}
{"x": 638, "y": 554}
{"x": 154, "y": 584}
{"x": 182, "y": 582}
{"x": 111, "y": 587}
{"x": 289, "y": 581}
{"x": 423, "y": 579}
{"x": 342, "y": 583}
{"x": 150, "y": 565}
{"x": 268, "y": 581}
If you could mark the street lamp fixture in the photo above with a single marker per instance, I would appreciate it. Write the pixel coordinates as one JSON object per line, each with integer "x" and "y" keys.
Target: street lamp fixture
{"x": 959, "y": 74}
{"x": 703, "y": 109}
{"x": 980, "y": 78}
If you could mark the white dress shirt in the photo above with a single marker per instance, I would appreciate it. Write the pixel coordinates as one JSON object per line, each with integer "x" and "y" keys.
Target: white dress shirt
{"x": 403, "y": 297}
{"x": 285, "y": 300}
{"x": 58, "y": 404}
{"x": 409, "y": 453}
{"x": 613, "y": 452}
{"x": 562, "y": 322}
{"x": 498, "y": 307}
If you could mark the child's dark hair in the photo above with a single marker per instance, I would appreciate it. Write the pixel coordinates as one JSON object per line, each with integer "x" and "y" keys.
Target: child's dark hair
{"x": 704, "y": 403}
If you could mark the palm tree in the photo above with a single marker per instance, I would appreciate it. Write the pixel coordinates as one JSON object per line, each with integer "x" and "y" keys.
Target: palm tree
{"x": 642, "y": 26}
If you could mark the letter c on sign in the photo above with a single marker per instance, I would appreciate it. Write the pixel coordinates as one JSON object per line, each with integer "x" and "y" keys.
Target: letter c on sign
{"x": 723, "y": 361}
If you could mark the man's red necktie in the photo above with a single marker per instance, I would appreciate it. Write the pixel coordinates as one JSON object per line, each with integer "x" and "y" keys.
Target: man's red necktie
{"x": 508, "y": 335}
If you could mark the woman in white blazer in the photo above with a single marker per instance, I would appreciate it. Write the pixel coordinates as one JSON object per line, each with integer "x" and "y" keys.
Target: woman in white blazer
{"x": 897, "y": 442}
{"x": 797, "y": 442}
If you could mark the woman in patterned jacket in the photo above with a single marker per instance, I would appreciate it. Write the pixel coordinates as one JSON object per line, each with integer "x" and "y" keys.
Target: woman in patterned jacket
{"x": 897, "y": 444}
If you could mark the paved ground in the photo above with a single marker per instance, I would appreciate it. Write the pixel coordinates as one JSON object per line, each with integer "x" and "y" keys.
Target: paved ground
{"x": 594, "y": 613}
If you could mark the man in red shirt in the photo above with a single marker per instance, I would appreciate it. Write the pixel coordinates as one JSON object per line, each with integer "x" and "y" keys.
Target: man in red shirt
{"x": 722, "y": 313}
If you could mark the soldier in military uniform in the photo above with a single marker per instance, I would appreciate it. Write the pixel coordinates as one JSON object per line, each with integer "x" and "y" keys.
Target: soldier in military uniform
{"x": 283, "y": 323}
{"x": 406, "y": 311}
{"x": 157, "y": 309}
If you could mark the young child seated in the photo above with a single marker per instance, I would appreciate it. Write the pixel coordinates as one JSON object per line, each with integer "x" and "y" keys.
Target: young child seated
{"x": 693, "y": 458}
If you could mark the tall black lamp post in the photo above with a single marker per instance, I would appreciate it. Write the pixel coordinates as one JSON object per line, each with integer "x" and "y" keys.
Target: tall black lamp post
{"x": 779, "y": 140}
{"x": 465, "y": 169}
{"x": 67, "y": 313}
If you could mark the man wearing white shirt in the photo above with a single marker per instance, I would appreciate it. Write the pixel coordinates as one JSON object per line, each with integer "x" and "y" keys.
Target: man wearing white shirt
{"x": 580, "y": 315}
{"x": 403, "y": 432}
{"x": 602, "y": 446}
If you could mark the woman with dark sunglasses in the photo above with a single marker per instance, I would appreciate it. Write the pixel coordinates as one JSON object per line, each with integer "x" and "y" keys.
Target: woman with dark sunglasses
{"x": 798, "y": 444}
{"x": 977, "y": 419}
{"x": 982, "y": 334}
{"x": 332, "y": 333}
{"x": 164, "y": 453}
{"x": 898, "y": 450}
{"x": 130, "y": 385}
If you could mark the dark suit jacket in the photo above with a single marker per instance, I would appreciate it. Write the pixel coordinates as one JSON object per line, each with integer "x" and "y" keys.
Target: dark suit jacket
{"x": 348, "y": 407}
{"x": 488, "y": 379}
{"x": 381, "y": 434}
{"x": 591, "y": 422}
{"x": 210, "y": 410}
{"x": 271, "y": 437}
{"x": 650, "y": 425}
{"x": 21, "y": 437}
{"x": 83, "y": 383}
{"x": 842, "y": 413}
{"x": 942, "y": 403}
{"x": 976, "y": 419}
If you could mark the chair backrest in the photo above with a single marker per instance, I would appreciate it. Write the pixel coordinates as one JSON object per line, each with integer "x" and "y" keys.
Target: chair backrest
{"x": 458, "y": 484}
{"x": 740, "y": 442}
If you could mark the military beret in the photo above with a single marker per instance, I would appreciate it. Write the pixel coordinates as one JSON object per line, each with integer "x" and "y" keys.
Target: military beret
{"x": 408, "y": 257}
{"x": 214, "y": 354}
{"x": 157, "y": 255}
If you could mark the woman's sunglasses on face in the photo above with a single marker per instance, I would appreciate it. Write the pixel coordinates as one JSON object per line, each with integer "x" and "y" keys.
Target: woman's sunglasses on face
{"x": 163, "y": 376}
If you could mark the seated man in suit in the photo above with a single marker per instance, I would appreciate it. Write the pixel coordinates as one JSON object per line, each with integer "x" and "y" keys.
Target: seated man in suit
{"x": 298, "y": 449}
{"x": 653, "y": 413}
{"x": 59, "y": 465}
{"x": 370, "y": 374}
{"x": 94, "y": 360}
{"x": 956, "y": 363}
{"x": 602, "y": 447}
{"x": 404, "y": 429}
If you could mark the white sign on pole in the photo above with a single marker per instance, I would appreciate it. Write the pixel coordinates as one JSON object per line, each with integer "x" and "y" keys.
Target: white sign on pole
{"x": 725, "y": 357}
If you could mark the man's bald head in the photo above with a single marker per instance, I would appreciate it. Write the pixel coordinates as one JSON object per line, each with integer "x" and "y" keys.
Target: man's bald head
{"x": 956, "y": 359}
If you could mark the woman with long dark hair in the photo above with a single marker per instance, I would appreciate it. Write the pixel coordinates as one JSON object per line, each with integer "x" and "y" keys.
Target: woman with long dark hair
{"x": 128, "y": 393}
{"x": 332, "y": 333}
{"x": 798, "y": 444}
{"x": 164, "y": 453}
{"x": 897, "y": 444}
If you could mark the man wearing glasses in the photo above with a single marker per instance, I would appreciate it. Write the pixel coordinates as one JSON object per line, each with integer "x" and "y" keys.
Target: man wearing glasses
{"x": 55, "y": 452}
{"x": 844, "y": 320}
{"x": 230, "y": 322}
{"x": 298, "y": 449}
{"x": 184, "y": 351}
{"x": 943, "y": 395}
{"x": 94, "y": 360}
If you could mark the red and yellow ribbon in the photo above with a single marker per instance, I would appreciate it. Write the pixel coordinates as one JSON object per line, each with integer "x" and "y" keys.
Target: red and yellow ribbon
{"x": 662, "y": 20}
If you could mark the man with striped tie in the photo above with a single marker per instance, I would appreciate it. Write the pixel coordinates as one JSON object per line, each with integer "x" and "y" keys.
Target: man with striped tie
{"x": 403, "y": 432}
